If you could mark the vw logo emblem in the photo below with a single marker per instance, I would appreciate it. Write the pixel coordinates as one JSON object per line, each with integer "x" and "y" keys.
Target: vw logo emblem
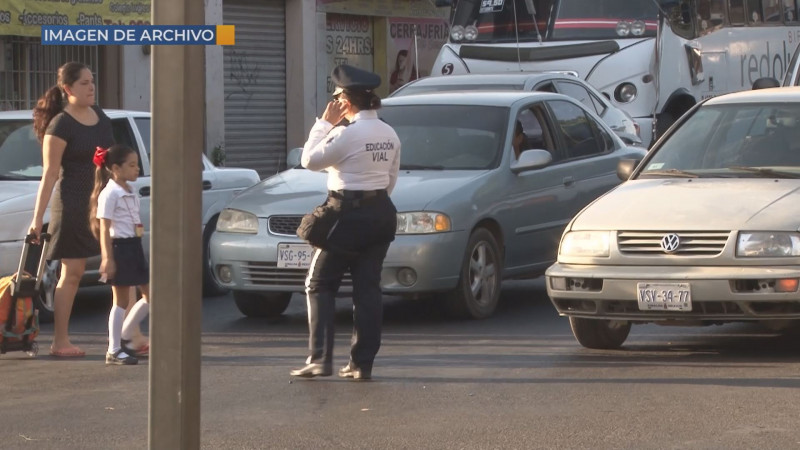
{"x": 670, "y": 242}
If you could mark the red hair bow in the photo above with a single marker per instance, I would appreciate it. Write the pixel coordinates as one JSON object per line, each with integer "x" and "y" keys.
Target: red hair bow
{"x": 100, "y": 156}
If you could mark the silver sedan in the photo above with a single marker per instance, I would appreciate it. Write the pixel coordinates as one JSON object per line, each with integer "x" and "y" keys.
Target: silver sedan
{"x": 471, "y": 212}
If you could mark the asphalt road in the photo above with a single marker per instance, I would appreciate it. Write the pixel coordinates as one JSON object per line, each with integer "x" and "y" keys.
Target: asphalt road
{"x": 515, "y": 381}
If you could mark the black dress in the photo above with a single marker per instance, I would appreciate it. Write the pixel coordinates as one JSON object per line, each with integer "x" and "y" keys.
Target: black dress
{"x": 69, "y": 206}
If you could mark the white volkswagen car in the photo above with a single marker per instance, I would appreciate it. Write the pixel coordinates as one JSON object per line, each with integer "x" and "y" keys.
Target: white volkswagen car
{"x": 705, "y": 230}
{"x": 21, "y": 170}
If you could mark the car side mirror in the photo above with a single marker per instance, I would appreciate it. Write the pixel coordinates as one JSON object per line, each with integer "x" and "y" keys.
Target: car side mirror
{"x": 531, "y": 159}
{"x": 625, "y": 168}
{"x": 765, "y": 83}
{"x": 293, "y": 159}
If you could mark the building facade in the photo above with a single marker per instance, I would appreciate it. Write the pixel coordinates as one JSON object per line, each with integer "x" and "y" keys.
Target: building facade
{"x": 264, "y": 92}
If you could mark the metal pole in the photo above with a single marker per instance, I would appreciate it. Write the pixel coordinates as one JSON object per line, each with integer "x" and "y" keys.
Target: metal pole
{"x": 178, "y": 106}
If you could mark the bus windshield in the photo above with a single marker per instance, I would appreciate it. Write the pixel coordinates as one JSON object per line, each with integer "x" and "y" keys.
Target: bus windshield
{"x": 604, "y": 19}
{"x": 552, "y": 20}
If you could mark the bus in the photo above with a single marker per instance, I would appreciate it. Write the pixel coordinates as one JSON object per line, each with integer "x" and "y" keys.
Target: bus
{"x": 654, "y": 59}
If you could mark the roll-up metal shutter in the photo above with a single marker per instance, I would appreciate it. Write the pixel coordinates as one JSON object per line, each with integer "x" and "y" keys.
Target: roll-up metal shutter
{"x": 255, "y": 85}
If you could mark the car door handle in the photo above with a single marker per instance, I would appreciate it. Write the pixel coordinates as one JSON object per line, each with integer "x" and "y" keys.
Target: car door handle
{"x": 144, "y": 191}
{"x": 569, "y": 181}
{"x": 206, "y": 185}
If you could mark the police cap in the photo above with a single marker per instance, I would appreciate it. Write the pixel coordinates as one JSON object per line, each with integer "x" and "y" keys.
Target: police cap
{"x": 353, "y": 78}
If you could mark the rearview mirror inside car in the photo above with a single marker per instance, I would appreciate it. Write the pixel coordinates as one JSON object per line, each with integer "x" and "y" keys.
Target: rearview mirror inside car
{"x": 625, "y": 168}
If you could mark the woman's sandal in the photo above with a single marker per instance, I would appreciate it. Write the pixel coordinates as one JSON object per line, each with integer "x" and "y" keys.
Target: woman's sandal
{"x": 73, "y": 352}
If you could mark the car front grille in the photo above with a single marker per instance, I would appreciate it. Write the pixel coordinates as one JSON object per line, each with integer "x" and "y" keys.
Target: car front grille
{"x": 268, "y": 274}
{"x": 284, "y": 225}
{"x": 692, "y": 243}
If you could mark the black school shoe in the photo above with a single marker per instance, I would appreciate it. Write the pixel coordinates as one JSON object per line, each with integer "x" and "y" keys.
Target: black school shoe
{"x": 132, "y": 351}
{"x": 116, "y": 360}
{"x": 356, "y": 373}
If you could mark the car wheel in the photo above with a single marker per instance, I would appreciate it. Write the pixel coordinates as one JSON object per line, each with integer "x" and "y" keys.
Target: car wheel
{"x": 260, "y": 304}
{"x": 44, "y": 300}
{"x": 210, "y": 286}
{"x": 478, "y": 289}
{"x": 599, "y": 333}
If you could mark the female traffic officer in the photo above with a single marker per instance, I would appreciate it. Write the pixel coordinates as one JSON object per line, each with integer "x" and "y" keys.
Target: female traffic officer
{"x": 362, "y": 159}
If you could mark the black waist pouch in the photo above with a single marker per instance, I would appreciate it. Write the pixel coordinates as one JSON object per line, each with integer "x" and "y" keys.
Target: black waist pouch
{"x": 316, "y": 227}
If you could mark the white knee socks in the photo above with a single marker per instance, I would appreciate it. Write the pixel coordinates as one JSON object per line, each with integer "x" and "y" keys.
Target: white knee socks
{"x": 135, "y": 317}
{"x": 115, "y": 319}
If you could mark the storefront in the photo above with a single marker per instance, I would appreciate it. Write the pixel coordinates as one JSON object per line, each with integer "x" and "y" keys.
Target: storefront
{"x": 277, "y": 76}
{"x": 398, "y": 39}
{"x": 28, "y": 69}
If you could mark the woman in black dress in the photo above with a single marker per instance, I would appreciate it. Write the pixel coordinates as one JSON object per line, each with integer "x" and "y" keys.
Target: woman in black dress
{"x": 70, "y": 127}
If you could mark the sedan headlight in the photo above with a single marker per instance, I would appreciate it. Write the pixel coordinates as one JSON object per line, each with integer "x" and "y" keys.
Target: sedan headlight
{"x": 235, "y": 221}
{"x": 422, "y": 222}
{"x": 585, "y": 243}
{"x": 768, "y": 244}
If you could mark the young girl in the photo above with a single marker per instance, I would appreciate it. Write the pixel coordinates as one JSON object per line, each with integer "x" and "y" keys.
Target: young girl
{"x": 116, "y": 223}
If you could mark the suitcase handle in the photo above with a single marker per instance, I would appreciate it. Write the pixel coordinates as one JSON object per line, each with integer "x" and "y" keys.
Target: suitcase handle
{"x": 44, "y": 238}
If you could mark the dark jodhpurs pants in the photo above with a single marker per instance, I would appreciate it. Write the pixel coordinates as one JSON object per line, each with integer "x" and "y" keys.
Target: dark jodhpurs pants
{"x": 322, "y": 284}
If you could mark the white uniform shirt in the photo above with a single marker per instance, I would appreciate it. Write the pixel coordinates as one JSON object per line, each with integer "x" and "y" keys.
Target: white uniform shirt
{"x": 362, "y": 156}
{"x": 122, "y": 207}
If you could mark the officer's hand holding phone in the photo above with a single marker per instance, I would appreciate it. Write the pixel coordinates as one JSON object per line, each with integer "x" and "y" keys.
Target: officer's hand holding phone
{"x": 335, "y": 111}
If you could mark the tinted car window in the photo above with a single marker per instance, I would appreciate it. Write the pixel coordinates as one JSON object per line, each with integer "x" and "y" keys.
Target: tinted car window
{"x": 574, "y": 128}
{"x": 606, "y": 142}
{"x": 580, "y": 94}
{"x": 546, "y": 87}
{"x": 143, "y": 124}
{"x": 123, "y": 135}
{"x": 448, "y": 137}
{"x": 20, "y": 151}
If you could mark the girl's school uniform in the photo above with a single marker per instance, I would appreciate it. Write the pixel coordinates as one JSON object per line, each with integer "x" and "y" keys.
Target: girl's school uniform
{"x": 122, "y": 208}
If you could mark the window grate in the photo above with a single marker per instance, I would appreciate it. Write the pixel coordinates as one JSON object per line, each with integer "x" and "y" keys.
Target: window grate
{"x": 28, "y": 68}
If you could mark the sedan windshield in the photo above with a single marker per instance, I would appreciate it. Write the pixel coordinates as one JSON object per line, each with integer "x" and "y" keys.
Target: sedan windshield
{"x": 20, "y": 152}
{"x": 455, "y": 137}
{"x": 746, "y": 140}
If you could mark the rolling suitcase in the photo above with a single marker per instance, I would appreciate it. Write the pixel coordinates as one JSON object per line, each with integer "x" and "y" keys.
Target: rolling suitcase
{"x": 19, "y": 321}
